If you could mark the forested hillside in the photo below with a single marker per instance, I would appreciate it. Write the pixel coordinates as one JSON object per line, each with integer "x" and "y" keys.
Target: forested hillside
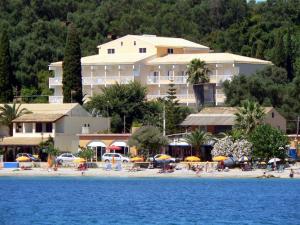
{"x": 37, "y": 29}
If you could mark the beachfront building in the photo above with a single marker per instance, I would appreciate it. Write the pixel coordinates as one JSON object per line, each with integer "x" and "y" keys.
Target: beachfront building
{"x": 62, "y": 122}
{"x": 222, "y": 119}
{"x": 102, "y": 143}
{"x": 155, "y": 62}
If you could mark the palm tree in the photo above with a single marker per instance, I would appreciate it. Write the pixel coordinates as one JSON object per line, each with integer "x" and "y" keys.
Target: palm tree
{"x": 197, "y": 76}
{"x": 197, "y": 138}
{"x": 10, "y": 112}
{"x": 249, "y": 115}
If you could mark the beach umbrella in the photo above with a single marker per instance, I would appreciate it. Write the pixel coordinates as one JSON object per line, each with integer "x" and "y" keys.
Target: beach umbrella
{"x": 219, "y": 158}
{"x": 192, "y": 159}
{"x": 137, "y": 159}
{"x": 79, "y": 160}
{"x": 115, "y": 148}
{"x": 164, "y": 157}
{"x": 244, "y": 159}
{"x": 274, "y": 160}
{"x": 23, "y": 159}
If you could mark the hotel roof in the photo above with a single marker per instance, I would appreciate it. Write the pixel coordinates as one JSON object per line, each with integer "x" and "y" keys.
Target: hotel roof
{"x": 210, "y": 116}
{"x": 109, "y": 59}
{"x": 207, "y": 57}
{"x": 34, "y": 117}
{"x": 45, "y": 108}
{"x": 162, "y": 41}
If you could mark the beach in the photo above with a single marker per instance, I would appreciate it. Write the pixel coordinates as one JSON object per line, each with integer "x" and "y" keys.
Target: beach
{"x": 151, "y": 173}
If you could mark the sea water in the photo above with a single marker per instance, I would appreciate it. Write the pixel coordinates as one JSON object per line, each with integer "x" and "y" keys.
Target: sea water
{"x": 83, "y": 200}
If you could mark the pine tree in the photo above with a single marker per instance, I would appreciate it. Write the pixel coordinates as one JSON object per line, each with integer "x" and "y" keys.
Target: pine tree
{"x": 6, "y": 75}
{"x": 278, "y": 50}
{"x": 72, "y": 80}
{"x": 172, "y": 93}
{"x": 260, "y": 48}
{"x": 289, "y": 56}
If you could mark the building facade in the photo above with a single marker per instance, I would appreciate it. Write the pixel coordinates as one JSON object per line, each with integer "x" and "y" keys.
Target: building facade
{"x": 62, "y": 122}
{"x": 221, "y": 119}
{"x": 155, "y": 62}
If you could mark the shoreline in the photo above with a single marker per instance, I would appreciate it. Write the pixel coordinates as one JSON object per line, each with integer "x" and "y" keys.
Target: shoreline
{"x": 148, "y": 173}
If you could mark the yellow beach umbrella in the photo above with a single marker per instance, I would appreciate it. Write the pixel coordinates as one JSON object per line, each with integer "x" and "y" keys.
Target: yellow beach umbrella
{"x": 192, "y": 159}
{"x": 79, "y": 160}
{"x": 137, "y": 159}
{"x": 219, "y": 158}
{"x": 164, "y": 157}
{"x": 23, "y": 159}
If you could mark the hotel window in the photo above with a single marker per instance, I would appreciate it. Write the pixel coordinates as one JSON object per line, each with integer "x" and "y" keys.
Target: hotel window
{"x": 170, "y": 75}
{"x": 38, "y": 127}
{"x": 142, "y": 50}
{"x": 170, "y": 50}
{"x": 19, "y": 127}
{"x": 111, "y": 51}
{"x": 48, "y": 127}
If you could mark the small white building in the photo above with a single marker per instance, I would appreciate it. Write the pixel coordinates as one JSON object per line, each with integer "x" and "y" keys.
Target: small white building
{"x": 62, "y": 122}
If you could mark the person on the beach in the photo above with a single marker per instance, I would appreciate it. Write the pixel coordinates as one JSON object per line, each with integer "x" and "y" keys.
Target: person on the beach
{"x": 292, "y": 173}
{"x": 206, "y": 166}
{"x": 222, "y": 165}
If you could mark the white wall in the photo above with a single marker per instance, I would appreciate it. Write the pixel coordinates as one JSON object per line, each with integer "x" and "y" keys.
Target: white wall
{"x": 128, "y": 46}
{"x": 68, "y": 141}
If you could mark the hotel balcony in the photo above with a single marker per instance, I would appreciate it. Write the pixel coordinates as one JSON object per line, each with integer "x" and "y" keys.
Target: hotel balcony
{"x": 56, "y": 99}
{"x": 96, "y": 80}
{"x": 218, "y": 79}
{"x": 183, "y": 98}
{"x": 166, "y": 79}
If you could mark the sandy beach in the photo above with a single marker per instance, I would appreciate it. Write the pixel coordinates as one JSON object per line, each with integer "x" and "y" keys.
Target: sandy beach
{"x": 147, "y": 173}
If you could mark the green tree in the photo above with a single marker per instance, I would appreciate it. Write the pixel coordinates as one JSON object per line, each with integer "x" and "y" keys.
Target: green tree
{"x": 249, "y": 115}
{"x": 148, "y": 140}
{"x": 196, "y": 139}
{"x": 87, "y": 153}
{"x": 6, "y": 75}
{"x": 119, "y": 101}
{"x": 197, "y": 76}
{"x": 72, "y": 80}
{"x": 10, "y": 112}
{"x": 279, "y": 51}
{"x": 268, "y": 142}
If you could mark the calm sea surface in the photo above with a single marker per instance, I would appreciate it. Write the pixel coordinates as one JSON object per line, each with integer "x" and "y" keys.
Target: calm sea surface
{"x": 30, "y": 201}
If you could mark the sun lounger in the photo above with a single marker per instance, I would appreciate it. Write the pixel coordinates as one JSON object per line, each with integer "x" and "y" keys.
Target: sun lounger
{"x": 269, "y": 168}
{"x": 107, "y": 167}
{"x": 280, "y": 169}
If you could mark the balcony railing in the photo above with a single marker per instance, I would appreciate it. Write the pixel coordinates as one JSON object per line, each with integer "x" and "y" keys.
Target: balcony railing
{"x": 166, "y": 79}
{"x": 98, "y": 80}
{"x": 55, "y": 81}
{"x": 179, "y": 96}
{"x": 56, "y": 99}
{"x": 219, "y": 78}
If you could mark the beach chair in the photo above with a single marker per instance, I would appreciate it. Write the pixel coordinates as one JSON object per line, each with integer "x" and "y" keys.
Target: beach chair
{"x": 118, "y": 167}
{"x": 280, "y": 169}
{"x": 108, "y": 167}
{"x": 269, "y": 168}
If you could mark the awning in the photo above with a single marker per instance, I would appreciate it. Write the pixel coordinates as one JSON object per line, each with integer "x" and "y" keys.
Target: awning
{"x": 96, "y": 144}
{"x": 21, "y": 141}
{"x": 179, "y": 143}
{"x": 119, "y": 143}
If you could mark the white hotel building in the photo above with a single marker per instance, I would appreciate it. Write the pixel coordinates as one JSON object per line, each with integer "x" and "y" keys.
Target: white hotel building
{"x": 155, "y": 62}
